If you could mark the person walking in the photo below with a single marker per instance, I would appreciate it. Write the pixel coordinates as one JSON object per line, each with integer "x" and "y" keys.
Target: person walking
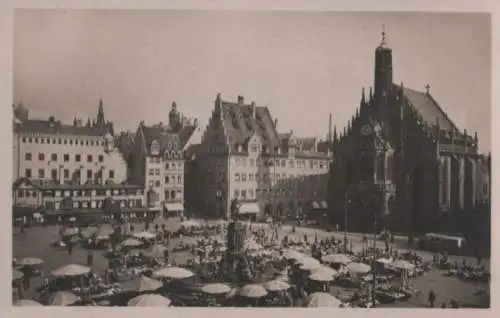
{"x": 432, "y": 298}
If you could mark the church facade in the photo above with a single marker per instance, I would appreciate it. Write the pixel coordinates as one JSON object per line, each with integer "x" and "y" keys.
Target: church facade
{"x": 401, "y": 163}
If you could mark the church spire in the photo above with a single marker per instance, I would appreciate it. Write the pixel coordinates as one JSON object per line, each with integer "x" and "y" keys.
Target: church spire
{"x": 101, "y": 122}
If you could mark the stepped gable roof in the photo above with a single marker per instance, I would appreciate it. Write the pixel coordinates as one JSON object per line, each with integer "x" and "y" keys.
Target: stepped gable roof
{"x": 240, "y": 125}
{"x": 56, "y": 127}
{"x": 428, "y": 108}
{"x": 166, "y": 138}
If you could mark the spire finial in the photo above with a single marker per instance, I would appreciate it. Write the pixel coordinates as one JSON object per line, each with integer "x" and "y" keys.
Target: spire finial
{"x": 383, "y": 33}
{"x": 427, "y": 88}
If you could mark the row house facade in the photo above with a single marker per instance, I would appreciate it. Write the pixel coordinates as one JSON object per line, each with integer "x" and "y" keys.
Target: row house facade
{"x": 50, "y": 156}
{"x": 157, "y": 162}
{"x": 243, "y": 157}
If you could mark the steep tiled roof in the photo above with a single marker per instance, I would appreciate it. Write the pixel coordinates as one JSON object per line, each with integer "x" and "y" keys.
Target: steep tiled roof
{"x": 185, "y": 133}
{"x": 430, "y": 110}
{"x": 56, "y": 127}
{"x": 241, "y": 125}
{"x": 306, "y": 144}
{"x": 166, "y": 138}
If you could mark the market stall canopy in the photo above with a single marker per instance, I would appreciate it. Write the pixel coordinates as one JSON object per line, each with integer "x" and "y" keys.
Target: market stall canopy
{"x": 145, "y": 235}
{"x": 308, "y": 260}
{"x": 29, "y": 261}
{"x": 173, "y": 272}
{"x": 89, "y": 232}
{"x": 358, "y": 268}
{"x": 249, "y": 208}
{"x": 253, "y": 291}
{"x": 293, "y": 255}
{"x": 277, "y": 285}
{"x": 309, "y": 266}
{"x": 336, "y": 259}
{"x": 71, "y": 270}
{"x": 149, "y": 300}
{"x": 62, "y": 298}
{"x": 27, "y": 303}
{"x": 142, "y": 284}
{"x": 16, "y": 275}
{"x": 174, "y": 207}
{"x": 322, "y": 300}
{"x": 216, "y": 289}
{"x": 131, "y": 242}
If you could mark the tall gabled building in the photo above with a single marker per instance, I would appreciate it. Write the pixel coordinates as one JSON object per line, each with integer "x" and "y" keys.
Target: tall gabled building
{"x": 401, "y": 162}
{"x": 243, "y": 157}
{"x": 157, "y": 161}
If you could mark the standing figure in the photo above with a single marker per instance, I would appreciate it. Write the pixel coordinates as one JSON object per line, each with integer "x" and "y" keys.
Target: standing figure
{"x": 432, "y": 298}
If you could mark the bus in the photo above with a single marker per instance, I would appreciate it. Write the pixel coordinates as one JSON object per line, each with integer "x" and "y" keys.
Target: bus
{"x": 435, "y": 242}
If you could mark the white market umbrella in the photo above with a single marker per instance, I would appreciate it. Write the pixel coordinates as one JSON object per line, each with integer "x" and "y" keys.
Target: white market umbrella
{"x": 145, "y": 235}
{"x": 253, "y": 246}
{"x": 174, "y": 273}
{"x": 190, "y": 223}
{"x": 142, "y": 284}
{"x": 385, "y": 261}
{"x": 149, "y": 300}
{"x": 131, "y": 242}
{"x": 216, "y": 289}
{"x": 71, "y": 270}
{"x": 62, "y": 298}
{"x": 322, "y": 300}
{"x": 277, "y": 285}
{"x": 29, "y": 261}
{"x": 336, "y": 259}
{"x": 16, "y": 275}
{"x": 404, "y": 265}
{"x": 309, "y": 266}
{"x": 253, "y": 291}
{"x": 294, "y": 255}
{"x": 323, "y": 274}
{"x": 358, "y": 268}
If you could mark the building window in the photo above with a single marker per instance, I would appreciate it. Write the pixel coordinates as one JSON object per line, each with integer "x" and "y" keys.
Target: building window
{"x": 151, "y": 172}
{"x": 167, "y": 180}
{"x": 41, "y": 157}
{"x": 89, "y": 174}
{"x": 23, "y": 139}
{"x": 250, "y": 177}
{"x": 290, "y": 163}
{"x": 167, "y": 166}
{"x": 243, "y": 194}
{"x": 66, "y": 173}
{"x": 150, "y": 183}
{"x": 66, "y": 157}
{"x": 89, "y": 158}
{"x": 53, "y": 174}
{"x": 157, "y": 171}
{"x": 157, "y": 183}
{"x": 172, "y": 194}
{"x": 167, "y": 195}
{"x": 27, "y": 173}
{"x": 243, "y": 177}
{"x": 53, "y": 157}
{"x": 250, "y": 193}
{"x": 236, "y": 193}
{"x": 237, "y": 177}
{"x": 179, "y": 179}
{"x": 111, "y": 174}
{"x": 41, "y": 173}
{"x": 101, "y": 158}
{"x": 36, "y": 140}
{"x": 27, "y": 156}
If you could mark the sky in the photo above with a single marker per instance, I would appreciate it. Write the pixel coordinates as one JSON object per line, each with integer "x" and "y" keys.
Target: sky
{"x": 302, "y": 65}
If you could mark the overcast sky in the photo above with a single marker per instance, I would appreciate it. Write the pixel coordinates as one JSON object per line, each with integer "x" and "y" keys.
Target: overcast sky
{"x": 302, "y": 65}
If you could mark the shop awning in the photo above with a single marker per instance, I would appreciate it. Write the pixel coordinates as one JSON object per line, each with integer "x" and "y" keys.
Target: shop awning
{"x": 323, "y": 205}
{"x": 249, "y": 208}
{"x": 174, "y": 207}
{"x": 315, "y": 205}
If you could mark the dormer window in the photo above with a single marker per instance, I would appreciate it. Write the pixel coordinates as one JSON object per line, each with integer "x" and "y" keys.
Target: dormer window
{"x": 155, "y": 148}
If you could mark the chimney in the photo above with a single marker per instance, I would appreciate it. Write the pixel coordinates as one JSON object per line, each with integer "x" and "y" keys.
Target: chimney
{"x": 329, "y": 128}
{"x": 52, "y": 121}
{"x": 276, "y": 123}
{"x": 252, "y": 109}
{"x": 240, "y": 100}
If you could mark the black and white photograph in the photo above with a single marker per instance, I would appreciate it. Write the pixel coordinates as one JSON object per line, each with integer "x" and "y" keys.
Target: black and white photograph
{"x": 190, "y": 158}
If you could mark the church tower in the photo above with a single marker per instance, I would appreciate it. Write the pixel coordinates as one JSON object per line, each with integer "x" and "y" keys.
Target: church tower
{"x": 174, "y": 117}
{"x": 383, "y": 69}
{"x": 100, "y": 122}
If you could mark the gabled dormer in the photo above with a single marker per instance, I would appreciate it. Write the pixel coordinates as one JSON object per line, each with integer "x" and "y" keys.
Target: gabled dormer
{"x": 155, "y": 148}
